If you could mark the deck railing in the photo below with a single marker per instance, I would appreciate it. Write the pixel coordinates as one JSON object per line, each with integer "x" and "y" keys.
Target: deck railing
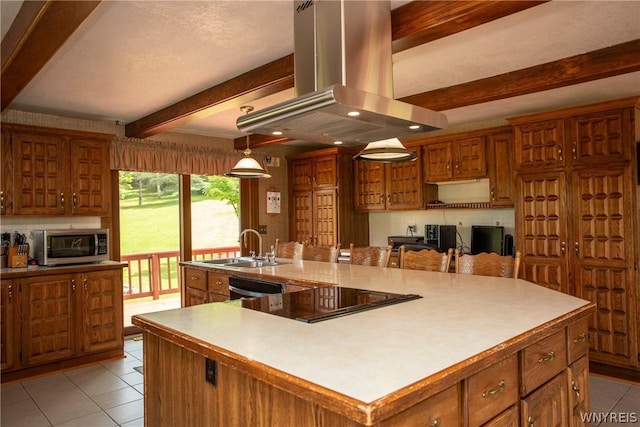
{"x": 158, "y": 273}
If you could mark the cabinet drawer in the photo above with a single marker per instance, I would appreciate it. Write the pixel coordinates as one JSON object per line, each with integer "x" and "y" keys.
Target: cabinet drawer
{"x": 195, "y": 278}
{"x": 578, "y": 339}
{"x": 492, "y": 390}
{"x": 214, "y": 297}
{"x": 219, "y": 283}
{"x": 508, "y": 418}
{"x": 542, "y": 360}
{"x": 439, "y": 410}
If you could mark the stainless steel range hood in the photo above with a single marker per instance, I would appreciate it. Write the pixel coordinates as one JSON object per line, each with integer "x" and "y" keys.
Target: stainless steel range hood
{"x": 343, "y": 80}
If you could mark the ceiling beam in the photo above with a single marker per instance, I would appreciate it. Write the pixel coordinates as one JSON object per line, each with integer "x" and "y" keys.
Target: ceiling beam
{"x": 424, "y": 20}
{"x": 608, "y": 62}
{"x": 38, "y": 31}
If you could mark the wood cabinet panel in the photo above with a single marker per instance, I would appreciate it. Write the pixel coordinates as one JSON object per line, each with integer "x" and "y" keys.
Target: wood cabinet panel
{"x": 540, "y": 145}
{"x": 542, "y": 360}
{"x": 547, "y": 406}
{"x": 301, "y": 173}
{"x": 48, "y": 330}
{"x": 501, "y": 164}
{"x": 437, "y": 159}
{"x": 218, "y": 283}
{"x": 8, "y": 324}
{"x": 600, "y": 137}
{"x": 577, "y": 339}
{"x": 469, "y": 158}
{"x": 578, "y": 390}
{"x": 102, "y": 311}
{"x": 370, "y": 186}
{"x": 492, "y": 390}
{"x": 302, "y": 216}
{"x": 509, "y": 418}
{"x": 195, "y": 278}
{"x": 325, "y": 224}
{"x": 6, "y": 174}
{"x": 195, "y": 297}
{"x": 441, "y": 409}
{"x": 90, "y": 177}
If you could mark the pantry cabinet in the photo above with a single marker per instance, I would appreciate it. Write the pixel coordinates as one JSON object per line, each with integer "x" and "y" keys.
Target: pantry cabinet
{"x": 577, "y": 216}
{"x": 56, "y": 172}
{"x": 388, "y": 186}
{"x": 61, "y": 318}
{"x": 321, "y": 193}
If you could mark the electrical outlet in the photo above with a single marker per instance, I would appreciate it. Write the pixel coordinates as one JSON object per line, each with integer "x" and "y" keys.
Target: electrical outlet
{"x": 211, "y": 371}
{"x": 275, "y": 302}
{"x": 262, "y": 229}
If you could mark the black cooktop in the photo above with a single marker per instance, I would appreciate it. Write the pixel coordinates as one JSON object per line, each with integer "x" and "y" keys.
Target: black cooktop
{"x": 324, "y": 303}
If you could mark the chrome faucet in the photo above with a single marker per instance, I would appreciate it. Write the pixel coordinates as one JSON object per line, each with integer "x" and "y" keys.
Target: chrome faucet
{"x": 247, "y": 230}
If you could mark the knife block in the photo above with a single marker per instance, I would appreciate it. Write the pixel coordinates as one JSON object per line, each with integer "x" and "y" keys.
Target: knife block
{"x": 17, "y": 260}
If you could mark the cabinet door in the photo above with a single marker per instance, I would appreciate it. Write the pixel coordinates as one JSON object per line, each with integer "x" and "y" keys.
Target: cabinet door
{"x": 301, "y": 174}
{"x": 540, "y": 145}
{"x": 501, "y": 166}
{"x": 470, "y": 159}
{"x": 436, "y": 162}
{"x": 404, "y": 186}
{"x": 90, "y": 177}
{"x": 542, "y": 229}
{"x": 102, "y": 314}
{"x": 9, "y": 340}
{"x": 578, "y": 377}
{"x": 603, "y": 248}
{"x": 48, "y": 328}
{"x": 325, "y": 217}
{"x": 547, "y": 406}
{"x": 600, "y": 137}
{"x": 325, "y": 171}
{"x": 370, "y": 186}
{"x": 302, "y": 216}
{"x": 6, "y": 175}
{"x": 39, "y": 162}
{"x": 195, "y": 297}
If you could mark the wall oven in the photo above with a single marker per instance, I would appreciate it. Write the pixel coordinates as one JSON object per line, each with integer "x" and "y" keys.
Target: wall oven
{"x": 59, "y": 247}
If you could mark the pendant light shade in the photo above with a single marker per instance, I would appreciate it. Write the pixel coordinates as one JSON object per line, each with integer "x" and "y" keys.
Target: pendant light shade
{"x": 386, "y": 151}
{"x": 247, "y": 167}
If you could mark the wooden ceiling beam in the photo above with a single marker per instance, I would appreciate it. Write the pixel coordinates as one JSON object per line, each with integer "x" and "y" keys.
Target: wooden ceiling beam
{"x": 36, "y": 34}
{"x": 411, "y": 23}
{"x": 608, "y": 62}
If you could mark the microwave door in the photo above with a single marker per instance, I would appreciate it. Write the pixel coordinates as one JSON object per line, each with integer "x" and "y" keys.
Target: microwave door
{"x": 72, "y": 246}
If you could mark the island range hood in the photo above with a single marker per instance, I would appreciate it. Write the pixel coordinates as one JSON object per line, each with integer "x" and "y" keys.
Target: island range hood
{"x": 343, "y": 80}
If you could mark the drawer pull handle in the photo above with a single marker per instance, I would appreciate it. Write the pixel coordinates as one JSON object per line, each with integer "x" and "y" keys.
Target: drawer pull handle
{"x": 435, "y": 423}
{"x": 530, "y": 422}
{"x": 195, "y": 278}
{"x": 547, "y": 357}
{"x": 219, "y": 283}
{"x": 581, "y": 338}
{"x": 575, "y": 389}
{"x": 495, "y": 390}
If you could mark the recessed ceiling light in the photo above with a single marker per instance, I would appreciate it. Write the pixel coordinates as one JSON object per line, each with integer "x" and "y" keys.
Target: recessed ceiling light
{"x": 414, "y": 127}
{"x": 337, "y": 142}
{"x": 276, "y": 133}
{"x": 353, "y": 113}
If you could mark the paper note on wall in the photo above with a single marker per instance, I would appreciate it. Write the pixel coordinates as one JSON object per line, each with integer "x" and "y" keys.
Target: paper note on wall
{"x": 273, "y": 202}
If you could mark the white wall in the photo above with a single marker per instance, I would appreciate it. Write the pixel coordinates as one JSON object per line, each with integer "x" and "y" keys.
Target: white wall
{"x": 383, "y": 224}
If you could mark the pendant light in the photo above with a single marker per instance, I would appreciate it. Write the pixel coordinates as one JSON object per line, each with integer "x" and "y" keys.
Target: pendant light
{"x": 386, "y": 151}
{"x": 247, "y": 167}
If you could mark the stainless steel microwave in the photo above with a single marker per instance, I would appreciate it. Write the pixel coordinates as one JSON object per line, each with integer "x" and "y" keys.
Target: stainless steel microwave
{"x": 58, "y": 247}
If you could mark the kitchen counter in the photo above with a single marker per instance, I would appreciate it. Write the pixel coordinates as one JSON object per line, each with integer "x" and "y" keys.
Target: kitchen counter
{"x": 391, "y": 356}
{"x": 35, "y": 270}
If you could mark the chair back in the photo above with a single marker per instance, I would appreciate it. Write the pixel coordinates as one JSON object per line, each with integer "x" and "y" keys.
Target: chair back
{"x": 488, "y": 264}
{"x": 321, "y": 253}
{"x": 424, "y": 259}
{"x": 369, "y": 255}
{"x": 292, "y": 250}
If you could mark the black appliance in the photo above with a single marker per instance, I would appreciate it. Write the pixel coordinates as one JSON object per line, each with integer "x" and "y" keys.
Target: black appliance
{"x": 245, "y": 287}
{"x": 441, "y": 236}
{"x": 487, "y": 238}
{"x": 324, "y": 303}
{"x": 396, "y": 241}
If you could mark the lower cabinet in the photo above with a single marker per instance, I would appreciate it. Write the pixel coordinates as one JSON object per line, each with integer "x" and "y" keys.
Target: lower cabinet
{"x": 202, "y": 286}
{"x": 547, "y": 406}
{"x": 48, "y": 319}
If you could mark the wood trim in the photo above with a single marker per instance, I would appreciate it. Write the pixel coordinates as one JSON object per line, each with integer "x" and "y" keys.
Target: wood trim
{"x": 249, "y": 212}
{"x": 278, "y": 75}
{"x": 33, "y": 39}
{"x": 611, "y": 61}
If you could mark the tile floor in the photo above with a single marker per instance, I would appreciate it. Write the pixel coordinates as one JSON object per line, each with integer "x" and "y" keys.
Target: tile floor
{"x": 111, "y": 394}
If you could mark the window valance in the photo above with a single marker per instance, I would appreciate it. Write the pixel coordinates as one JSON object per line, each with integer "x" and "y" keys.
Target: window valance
{"x": 145, "y": 155}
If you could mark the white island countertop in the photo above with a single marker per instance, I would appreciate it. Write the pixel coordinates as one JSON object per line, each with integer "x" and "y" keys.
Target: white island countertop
{"x": 369, "y": 355}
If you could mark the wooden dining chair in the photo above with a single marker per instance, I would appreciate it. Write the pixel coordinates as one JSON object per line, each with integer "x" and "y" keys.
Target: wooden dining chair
{"x": 488, "y": 264}
{"x": 321, "y": 253}
{"x": 292, "y": 250}
{"x": 424, "y": 259}
{"x": 369, "y": 255}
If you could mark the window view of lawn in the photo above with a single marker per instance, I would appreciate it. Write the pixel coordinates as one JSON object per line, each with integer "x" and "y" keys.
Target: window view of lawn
{"x": 150, "y": 228}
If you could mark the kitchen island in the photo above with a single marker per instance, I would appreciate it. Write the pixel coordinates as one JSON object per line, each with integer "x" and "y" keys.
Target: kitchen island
{"x": 472, "y": 350}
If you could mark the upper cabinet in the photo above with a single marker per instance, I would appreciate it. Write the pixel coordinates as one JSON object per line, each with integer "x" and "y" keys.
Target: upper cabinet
{"x": 315, "y": 172}
{"x": 500, "y": 163}
{"x": 600, "y": 137}
{"x": 455, "y": 158}
{"x": 56, "y": 172}
{"x": 388, "y": 186}
{"x": 540, "y": 145}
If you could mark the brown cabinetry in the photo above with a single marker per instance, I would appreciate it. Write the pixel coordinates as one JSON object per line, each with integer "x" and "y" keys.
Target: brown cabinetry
{"x": 61, "y": 319}
{"x": 56, "y": 172}
{"x": 388, "y": 186}
{"x": 202, "y": 286}
{"x": 576, "y": 216}
{"x": 500, "y": 162}
{"x": 458, "y": 158}
{"x": 321, "y": 199}
{"x": 547, "y": 406}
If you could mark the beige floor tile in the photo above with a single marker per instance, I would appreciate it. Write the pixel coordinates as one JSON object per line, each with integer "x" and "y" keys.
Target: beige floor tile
{"x": 47, "y": 385}
{"x": 116, "y": 397}
{"x": 13, "y": 392}
{"x": 36, "y": 419}
{"x": 127, "y": 412}
{"x": 122, "y": 366}
{"x": 98, "y": 381}
{"x": 62, "y": 407}
{"x": 98, "y": 419}
{"x": 12, "y": 412}
{"x": 133, "y": 378}
{"x": 135, "y": 423}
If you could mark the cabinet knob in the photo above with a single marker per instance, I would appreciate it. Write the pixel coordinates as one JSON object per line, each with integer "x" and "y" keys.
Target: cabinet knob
{"x": 2, "y": 200}
{"x": 575, "y": 389}
{"x": 73, "y": 285}
{"x": 74, "y": 199}
{"x": 560, "y": 151}
{"x": 530, "y": 422}
{"x": 10, "y": 292}
{"x": 574, "y": 150}
{"x": 62, "y": 199}
{"x": 84, "y": 283}
{"x": 219, "y": 282}
{"x": 563, "y": 247}
{"x": 195, "y": 278}
{"x": 435, "y": 423}
{"x": 576, "y": 247}
{"x": 493, "y": 194}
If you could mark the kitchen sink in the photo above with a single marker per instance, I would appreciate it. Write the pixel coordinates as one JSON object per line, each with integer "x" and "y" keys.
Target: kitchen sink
{"x": 241, "y": 262}
{"x": 223, "y": 261}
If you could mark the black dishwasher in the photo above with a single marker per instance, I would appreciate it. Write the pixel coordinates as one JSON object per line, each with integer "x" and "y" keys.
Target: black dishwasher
{"x": 248, "y": 287}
